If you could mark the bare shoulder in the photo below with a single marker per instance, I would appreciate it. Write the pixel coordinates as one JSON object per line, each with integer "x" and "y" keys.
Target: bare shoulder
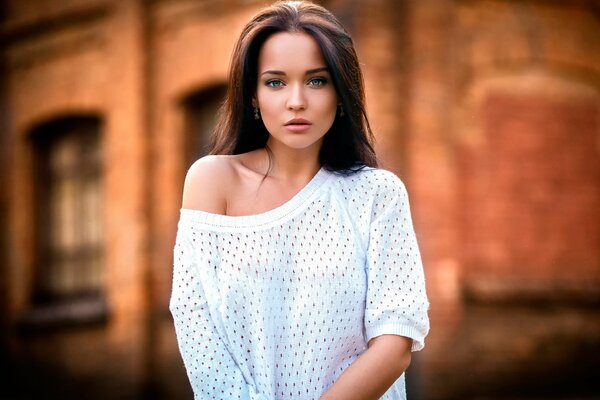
{"x": 206, "y": 184}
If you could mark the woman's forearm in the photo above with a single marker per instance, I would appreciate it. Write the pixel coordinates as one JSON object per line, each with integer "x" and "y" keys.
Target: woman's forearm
{"x": 372, "y": 374}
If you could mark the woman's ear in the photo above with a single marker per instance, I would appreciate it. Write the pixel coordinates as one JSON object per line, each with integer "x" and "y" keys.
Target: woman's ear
{"x": 254, "y": 102}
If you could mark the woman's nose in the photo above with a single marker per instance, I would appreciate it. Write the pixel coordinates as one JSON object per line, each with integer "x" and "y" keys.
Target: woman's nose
{"x": 297, "y": 99}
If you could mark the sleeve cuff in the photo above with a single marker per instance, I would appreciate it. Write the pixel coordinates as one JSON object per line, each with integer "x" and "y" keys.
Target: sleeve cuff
{"x": 398, "y": 329}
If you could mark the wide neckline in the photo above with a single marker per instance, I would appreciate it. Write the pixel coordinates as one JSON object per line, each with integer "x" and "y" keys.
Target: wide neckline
{"x": 264, "y": 218}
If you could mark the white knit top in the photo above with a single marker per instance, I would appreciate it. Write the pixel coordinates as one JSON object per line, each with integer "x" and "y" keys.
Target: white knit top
{"x": 276, "y": 305}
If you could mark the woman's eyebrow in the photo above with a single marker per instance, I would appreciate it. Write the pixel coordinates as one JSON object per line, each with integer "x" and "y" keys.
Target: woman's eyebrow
{"x": 271, "y": 72}
{"x": 308, "y": 72}
{"x": 312, "y": 71}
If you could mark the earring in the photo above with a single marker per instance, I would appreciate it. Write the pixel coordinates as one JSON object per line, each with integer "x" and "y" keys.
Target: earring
{"x": 341, "y": 111}
{"x": 256, "y": 114}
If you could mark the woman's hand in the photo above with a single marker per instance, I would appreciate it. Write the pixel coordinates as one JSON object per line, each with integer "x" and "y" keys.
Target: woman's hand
{"x": 372, "y": 374}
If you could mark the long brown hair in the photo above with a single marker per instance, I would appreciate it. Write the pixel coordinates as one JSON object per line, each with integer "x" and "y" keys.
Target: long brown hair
{"x": 347, "y": 145}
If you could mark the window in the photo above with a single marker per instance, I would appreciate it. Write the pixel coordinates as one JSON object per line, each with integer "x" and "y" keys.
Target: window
{"x": 200, "y": 118}
{"x": 69, "y": 275}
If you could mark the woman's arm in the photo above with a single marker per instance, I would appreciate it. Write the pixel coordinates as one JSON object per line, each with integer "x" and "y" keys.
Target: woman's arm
{"x": 372, "y": 374}
{"x": 396, "y": 321}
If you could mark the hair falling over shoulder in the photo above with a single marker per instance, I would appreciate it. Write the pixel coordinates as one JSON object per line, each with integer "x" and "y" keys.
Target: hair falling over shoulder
{"x": 349, "y": 142}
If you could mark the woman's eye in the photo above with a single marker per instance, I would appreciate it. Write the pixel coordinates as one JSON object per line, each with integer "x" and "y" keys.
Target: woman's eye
{"x": 317, "y": 81}
{"x": 274, "y": 83}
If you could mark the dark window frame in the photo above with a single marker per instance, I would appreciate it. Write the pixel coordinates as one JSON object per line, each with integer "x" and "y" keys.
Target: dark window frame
{"x": 51, "y": 308}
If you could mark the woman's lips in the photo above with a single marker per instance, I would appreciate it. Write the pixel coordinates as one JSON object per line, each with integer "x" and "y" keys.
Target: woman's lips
{"x": 297, "y": 125}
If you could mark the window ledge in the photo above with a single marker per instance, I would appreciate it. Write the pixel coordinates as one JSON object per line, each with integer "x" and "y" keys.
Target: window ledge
{"x": 496, "y": 290}
{"x": 66, "y": 313}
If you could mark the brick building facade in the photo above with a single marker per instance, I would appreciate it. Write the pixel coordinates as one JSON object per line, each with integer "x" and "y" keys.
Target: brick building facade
{"x": 489, "y": 110}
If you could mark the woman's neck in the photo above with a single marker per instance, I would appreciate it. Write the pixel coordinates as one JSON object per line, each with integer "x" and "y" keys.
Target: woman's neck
{"x": 292, "y": 165}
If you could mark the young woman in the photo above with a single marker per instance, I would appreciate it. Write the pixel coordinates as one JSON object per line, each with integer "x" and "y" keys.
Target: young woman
{"x": 297, "y": 273}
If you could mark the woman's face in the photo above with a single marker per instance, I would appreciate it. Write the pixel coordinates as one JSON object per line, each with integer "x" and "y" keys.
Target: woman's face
{"x": 295, "y": 94}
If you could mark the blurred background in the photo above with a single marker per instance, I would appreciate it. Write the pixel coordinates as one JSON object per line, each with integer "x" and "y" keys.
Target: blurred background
{"x": 489, "y": 110}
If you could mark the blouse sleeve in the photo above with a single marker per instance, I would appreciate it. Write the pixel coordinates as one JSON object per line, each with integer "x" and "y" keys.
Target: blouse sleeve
{"x": 212, "y": 371}
{"x": 396, "y": 298}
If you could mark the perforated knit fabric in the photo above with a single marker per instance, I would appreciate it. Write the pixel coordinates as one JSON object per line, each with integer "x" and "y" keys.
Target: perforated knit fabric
{"x": 277, "y": 305}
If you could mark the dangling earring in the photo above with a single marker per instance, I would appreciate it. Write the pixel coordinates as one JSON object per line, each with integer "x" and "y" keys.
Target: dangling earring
{"x": 341, "y": 110}
{"x": 256, "y": 115}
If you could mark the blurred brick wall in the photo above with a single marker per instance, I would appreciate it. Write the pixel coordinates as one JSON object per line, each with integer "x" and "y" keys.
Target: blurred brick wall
{"x": 488, "y": 110}
{"x": 64, "y": 59}
{"x": 527, "y": 123}
{"x": 534, "y": 183}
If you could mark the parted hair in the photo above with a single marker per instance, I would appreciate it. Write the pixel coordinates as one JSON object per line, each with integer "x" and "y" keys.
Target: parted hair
{"x": 348, "y": 144}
